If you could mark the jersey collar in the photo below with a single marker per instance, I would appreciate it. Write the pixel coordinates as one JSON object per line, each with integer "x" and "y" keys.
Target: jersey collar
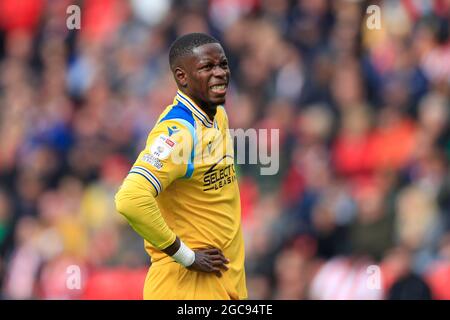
{"x": 196, "y": 110}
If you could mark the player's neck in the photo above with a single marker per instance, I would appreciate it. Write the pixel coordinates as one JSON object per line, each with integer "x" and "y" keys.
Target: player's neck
{"x": 209, "y": 110}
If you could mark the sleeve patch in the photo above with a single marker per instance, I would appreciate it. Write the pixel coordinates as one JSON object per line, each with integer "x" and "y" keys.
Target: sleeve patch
{"x": 152, "y": 160}
{"x": 162, "y": 147}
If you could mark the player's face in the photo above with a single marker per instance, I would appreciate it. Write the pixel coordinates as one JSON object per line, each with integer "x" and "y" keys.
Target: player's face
{"x": 207, "y": 75}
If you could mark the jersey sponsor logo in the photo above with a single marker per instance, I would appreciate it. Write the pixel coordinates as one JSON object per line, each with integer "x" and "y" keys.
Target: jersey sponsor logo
{"x": 162, "y": 147}
{"x": 216, "y": 178}
{"x": 152, "y": 160}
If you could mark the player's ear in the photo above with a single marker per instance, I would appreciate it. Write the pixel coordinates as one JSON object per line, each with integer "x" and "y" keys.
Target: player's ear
{"x": 180, "y": 76}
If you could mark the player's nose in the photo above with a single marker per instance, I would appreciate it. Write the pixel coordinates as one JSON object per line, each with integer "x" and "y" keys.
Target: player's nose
{"x": 219, "y": 72}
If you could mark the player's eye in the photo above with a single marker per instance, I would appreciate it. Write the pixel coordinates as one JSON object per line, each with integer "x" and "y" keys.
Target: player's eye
{"x": 224, "y": 64}
{"x": 206, "y": 66}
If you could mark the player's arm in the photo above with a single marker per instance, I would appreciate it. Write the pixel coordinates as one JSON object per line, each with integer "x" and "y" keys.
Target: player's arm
{"x": 138, "y": 205}
{"x": 158, "y": 165}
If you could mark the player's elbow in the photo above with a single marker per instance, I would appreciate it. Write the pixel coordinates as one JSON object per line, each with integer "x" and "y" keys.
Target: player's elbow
{"x": 122, "y": 203}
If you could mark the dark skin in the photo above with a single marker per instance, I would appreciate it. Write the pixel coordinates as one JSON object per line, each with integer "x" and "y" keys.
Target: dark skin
{"x": 209, "y": 260}
{"x": 198, "y": 76}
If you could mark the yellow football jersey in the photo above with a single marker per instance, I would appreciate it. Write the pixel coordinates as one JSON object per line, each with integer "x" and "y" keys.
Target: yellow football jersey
{"x": 188, "y": 162}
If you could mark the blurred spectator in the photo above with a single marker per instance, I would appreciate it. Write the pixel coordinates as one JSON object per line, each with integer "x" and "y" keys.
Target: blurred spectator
{"x": 295, "y": 268}
{"x": 406, "y": 285}
{"x": 410, "y": 287}
{"x": 371, "y": 232}
{"x": 418, "y": 224}
{"x": 344, "y": 278}
{"x": 438, "y": 274}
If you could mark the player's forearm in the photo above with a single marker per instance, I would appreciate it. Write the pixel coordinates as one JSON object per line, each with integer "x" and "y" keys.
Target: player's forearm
{"x": 173, "y": 248}
{"x": 138, "y": 205}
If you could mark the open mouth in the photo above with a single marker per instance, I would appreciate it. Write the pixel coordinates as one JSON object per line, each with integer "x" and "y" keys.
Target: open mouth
{"x": 219, "y": 88}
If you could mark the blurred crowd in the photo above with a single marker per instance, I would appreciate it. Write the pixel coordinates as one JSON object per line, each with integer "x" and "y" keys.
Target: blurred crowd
{"x": 360, "y": 208}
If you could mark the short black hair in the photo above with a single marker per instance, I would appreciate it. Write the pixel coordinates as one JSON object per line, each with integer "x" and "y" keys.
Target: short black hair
{"x": 184, "y": 45}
